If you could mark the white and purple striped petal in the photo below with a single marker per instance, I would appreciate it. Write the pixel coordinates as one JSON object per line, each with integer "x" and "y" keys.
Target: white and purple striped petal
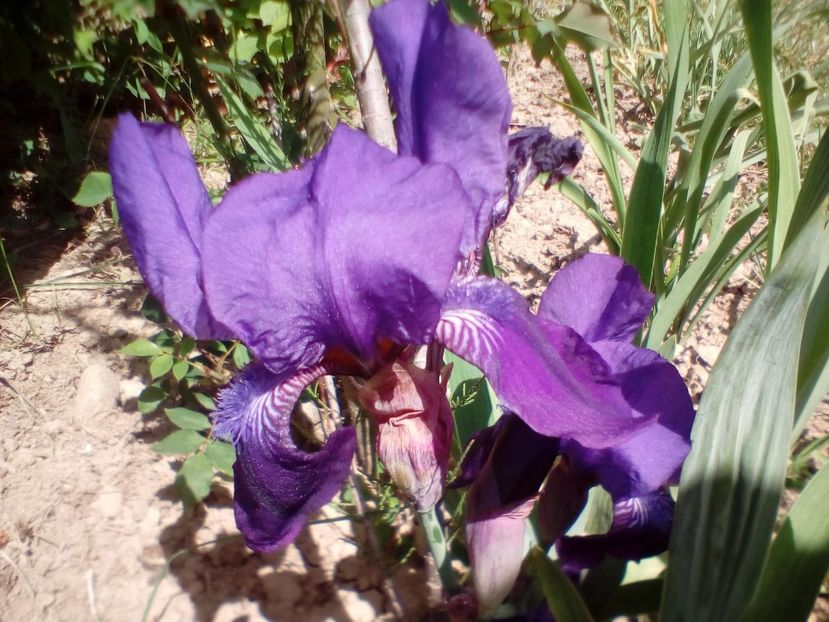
{"x": 544, "y": 373}
{"x": 277, "y": 485}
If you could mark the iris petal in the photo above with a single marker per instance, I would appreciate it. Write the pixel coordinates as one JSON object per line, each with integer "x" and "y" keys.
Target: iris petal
{"x": 356, "y": 246}
{"x": 641, "y": 528}
{"x": 277, "y": 485}
{"x": 445, "y": 112}
{"x": 163, "y": 204}
{"x": 598, "y": 296}
{"x": 547, "y": 375}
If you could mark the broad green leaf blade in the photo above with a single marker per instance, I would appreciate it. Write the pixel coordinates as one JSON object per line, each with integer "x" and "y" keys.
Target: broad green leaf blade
{"x": 578, "y": 195}
{"x": 604, "y": 133}
{"x": 688, "y": 289}
{"x": 179, "y": 442}
{"x": 562, "y": 597}
{"x": 640, "y": 235}
{"x": 474, "y": 401}
{"x": 95, "y": 188}
{"x": 586, "y": 25}
{"x": 782, "y": 163}
{"x": 708, "y": 142}
{"x": 141, "y": 347}
{"x": 813, "y": 371}
{"x": 187, "y": 419}
{"x": 252, "y": 130}
{"x": 815, "y": 188}
{"x": 221, "y": 455}
{"x": 193, "y": 480}
{"x": 733, "y": 477}
{"x": 604, "y": 152}
{"x": 798, "y": 558}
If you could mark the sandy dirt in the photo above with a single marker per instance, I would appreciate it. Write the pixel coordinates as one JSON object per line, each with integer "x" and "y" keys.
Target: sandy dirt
{"x": 90, "y": 527}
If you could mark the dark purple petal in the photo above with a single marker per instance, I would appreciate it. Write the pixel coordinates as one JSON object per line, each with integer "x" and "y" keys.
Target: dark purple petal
{"x": 561, "y": 501}
{"x": 277, "y": 485}
{"x": 163, "y": 203}
{"x": 598, "y": 296}
{"x": 653, "y": 458}
{"x": 548, "y": 375}
{"x": 641, "y": 528}
{"x": 451, "y": 99}
{"x": 532, "y": 151}
{"x": 357, "y": 246}
{"x": 476, "y": 453}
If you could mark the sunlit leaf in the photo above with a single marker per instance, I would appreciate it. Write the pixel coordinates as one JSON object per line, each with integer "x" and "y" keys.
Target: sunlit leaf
{"x": 193, "y": 480}
{"x": 187, "y": 419}
{"x": 179, "y": 442}
{"x": 95, "y": 188}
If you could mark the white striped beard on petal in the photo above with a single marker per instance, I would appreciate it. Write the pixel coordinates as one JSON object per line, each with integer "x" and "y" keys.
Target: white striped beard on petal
{"x": 277, "y": 485}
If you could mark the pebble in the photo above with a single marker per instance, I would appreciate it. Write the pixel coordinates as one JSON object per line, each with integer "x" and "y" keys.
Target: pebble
{"x": 98, "y": 392}
{"x": 109, "y": 503}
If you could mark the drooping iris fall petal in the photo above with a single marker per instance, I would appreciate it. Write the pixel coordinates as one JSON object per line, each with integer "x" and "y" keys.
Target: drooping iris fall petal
{"x": 357, "y": 246}
{"x": 277, "y": 486}
{"x": 451, "y": 100}
{"x": 163, "y": 205}
{"x": 641, "y": 528}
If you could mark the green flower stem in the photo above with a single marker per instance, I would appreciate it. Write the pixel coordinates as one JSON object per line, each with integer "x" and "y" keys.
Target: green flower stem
{"x": 433, "y": 531}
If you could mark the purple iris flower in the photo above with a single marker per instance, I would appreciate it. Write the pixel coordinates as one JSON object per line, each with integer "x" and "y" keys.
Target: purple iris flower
{"x": 346, "y": 264}
{"x": 601, "y": 300}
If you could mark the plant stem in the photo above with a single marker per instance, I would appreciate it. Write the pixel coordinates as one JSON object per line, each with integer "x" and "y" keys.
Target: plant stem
{"x": 433, "y": 531}
{"x": 368, "y": 75}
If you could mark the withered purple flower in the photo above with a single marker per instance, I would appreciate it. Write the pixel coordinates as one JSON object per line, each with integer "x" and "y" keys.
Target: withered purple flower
{"x": 341, "y": 266}
{"x": 599, "y": 301}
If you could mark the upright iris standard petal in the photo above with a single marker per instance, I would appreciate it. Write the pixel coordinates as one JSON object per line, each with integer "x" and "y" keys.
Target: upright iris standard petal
{"x": 551, "y": 378}
{"x": 451, "y": 99}
{"x": 598, "y": 296}
{"x": 163, "y": 204}
{"x": 359, "y": 245}
{"x": 277, "y": 485}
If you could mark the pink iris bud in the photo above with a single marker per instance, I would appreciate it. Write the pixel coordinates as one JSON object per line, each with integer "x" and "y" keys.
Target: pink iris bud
{"x": 414, "y": 428}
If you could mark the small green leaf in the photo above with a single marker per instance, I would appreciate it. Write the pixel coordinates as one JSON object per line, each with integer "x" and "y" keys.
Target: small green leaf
{"x": 160, "y": 365}
{"x": 205, "y": 401}
{"x": 188, "y": 419}
{"x": 150, "y": 399}
{"x": 179, "y": 442}
{"x": 95, "y": 188}
{"x": 193, "y": 480}
{"x": 562, "y": 597}
{"x": 180, "y": 369}
{"x": 276, "y": 14}
{"x": 151, "y": 309}
{"x": 141, "y": 347}
{"x": 222, "y": 456}
{"x": 187, "y": 345}
{"x": 241, "y": 356}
